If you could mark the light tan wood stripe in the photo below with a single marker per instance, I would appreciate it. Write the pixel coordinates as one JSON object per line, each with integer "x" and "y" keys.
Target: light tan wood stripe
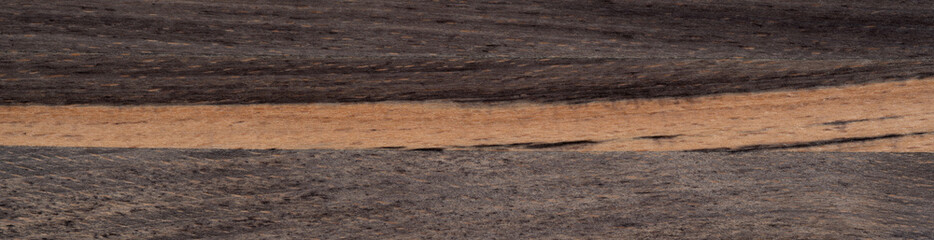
{"x": 725, "y": 121}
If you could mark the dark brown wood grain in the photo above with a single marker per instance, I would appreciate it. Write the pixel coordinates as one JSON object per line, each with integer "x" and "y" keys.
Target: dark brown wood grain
{"x": 80, "y": 193}
{"x": 234, "y": 52}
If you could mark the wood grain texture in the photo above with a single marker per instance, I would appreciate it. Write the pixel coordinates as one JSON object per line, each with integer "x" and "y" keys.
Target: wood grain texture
{"x": 479, "y": 107}
{"x": 893, "y": 116}
{"x": 81, "y": 193}
{"x": 832, "y": 29}
{"x": 237, "y": 52}
{"x": 544, "y": 53}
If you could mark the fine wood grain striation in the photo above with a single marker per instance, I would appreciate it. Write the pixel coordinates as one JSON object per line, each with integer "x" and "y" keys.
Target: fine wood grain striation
{"x": 615, "y": 29}
{"x": 78, "y": 193}
{"x": 242, "y": 52}
{"x": 63, "y": 80}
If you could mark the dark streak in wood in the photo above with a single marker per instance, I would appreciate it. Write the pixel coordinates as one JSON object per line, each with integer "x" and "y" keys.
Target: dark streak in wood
{"x": 845, "y": 122}
{"x": 532, "y": 145}
{"x": 780, "y": 146}
{"x": 659, "y": 137}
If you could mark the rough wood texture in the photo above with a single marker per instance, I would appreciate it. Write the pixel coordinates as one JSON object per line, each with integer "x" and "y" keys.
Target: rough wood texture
{"x": 275, "y": 194}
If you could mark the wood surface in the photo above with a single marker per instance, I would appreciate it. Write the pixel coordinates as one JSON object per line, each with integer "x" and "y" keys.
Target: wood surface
{"x": 874, "y": 117}
{"x": 84, "y": 193}
{"x": 528, "y": 55}
{"x": 235, "y": 52}
{"x": 541, "y": 119}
